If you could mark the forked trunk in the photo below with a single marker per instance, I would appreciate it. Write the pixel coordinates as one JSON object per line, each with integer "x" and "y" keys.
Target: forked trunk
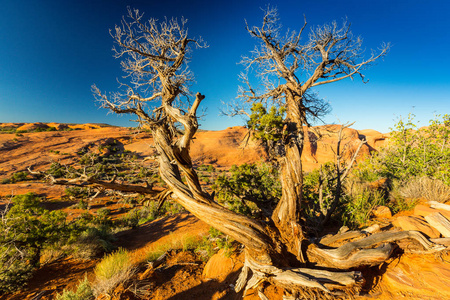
{"x": 247, "y": 231}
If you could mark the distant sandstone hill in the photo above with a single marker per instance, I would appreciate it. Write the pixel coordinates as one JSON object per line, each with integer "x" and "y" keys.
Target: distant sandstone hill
{"x": 222, "y": 148}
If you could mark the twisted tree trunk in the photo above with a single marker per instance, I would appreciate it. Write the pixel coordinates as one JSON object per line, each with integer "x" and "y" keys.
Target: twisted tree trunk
{"x": 286, "y": 215}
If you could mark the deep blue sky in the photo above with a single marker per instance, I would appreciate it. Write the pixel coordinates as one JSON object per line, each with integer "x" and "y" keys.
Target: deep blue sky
{"x": 51, "y": 52}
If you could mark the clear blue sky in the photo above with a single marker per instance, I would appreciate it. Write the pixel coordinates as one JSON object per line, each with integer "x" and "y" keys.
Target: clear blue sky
{"x": 51, "y": 52}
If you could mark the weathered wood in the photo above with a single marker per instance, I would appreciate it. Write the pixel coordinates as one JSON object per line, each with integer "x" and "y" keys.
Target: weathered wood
{"x": 442, "y": 241}
{"x": 157, "y": 262}
{"x": 328, "y": 240}
{"x": 341, "y": 278}
{"x": 356, "y": 253}
{"x": 347, "y": 235}
{"x": 441, "y": 223}
{"x": 363, "y": 257}
{"x": 157, "y": 74}
{"x": 438, "y": 205}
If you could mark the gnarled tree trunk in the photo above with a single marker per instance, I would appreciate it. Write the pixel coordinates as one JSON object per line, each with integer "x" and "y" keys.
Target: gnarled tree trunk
{"x": 274, "y": 251}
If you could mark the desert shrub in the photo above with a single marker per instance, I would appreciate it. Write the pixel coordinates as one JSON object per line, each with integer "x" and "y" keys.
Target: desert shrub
{"x": 359, "y": 206}
{"x": 7, "y": 130}
{"x": 249, "y": 188}
{"x": 76, "y": 191}
{"x": 150, "y": 212}
{"x": 83, "y": 292}
{"x": 170, "y": 208}
{"x": 92, "y": 242}
{"x": 82, "y": 204}
{"x": 18, "y": 177}
{"x": 416, "y": 160}
{"x": 132, "y": 218}
{"x": 416, "y": 152}
{"x": 56, "y": 170}
{"x": 103, "y": 217}
{"x": 114, "y": 269}
{"x": 206, "y": 168}
{"x": 267, "y": 125}
{"x": 326, "y": 176}
{"x": 25, "y": 230}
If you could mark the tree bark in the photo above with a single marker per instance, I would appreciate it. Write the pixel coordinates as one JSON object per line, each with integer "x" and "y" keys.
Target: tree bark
{"x": 286, "y": 215}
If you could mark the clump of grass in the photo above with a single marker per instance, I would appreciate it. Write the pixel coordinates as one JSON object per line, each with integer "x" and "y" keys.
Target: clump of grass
{"x": 84, "y": 292}
{"x": 423, "y": 187}
{"x": 115, "y": 269}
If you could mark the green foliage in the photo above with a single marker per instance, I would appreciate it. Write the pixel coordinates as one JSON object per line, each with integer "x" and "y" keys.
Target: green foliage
{"x": 417, "y": 161}
{"x": 267, "y": 125}
{"x": 103, "y": 217}
{"x": 7, "y": 130}
{"x": 139, "y": 216}
{"x": 222, "y": 241}
{"x": 112, "y": 264}
{"x": 16, "y": 177}
{"x": 76, "y": 191}
{"x": 84, "y": 292}
{"x": 25, "y": 229}
{"x": 416, "y": 152}
{"x": 92, "y": 242}
{"x": 313, "y": 208}
{"x": 359, "y": 206}
{"x": 206, "y": 168}
{"x": 248, "y": 187}
{"x": 56, "y": 170}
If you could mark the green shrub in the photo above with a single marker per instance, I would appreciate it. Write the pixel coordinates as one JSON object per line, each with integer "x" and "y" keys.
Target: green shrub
{"x": 25, "y": 230}
{"x": 358, "y": 207}
{"x": 57, "y": 170}
{"x": 103, "y": 217}
{"x": 132, "y": 218}
{"x": 92, "y": 242}
{"x": 416, "y": 152}
{"x": 249, "y": 188}
{"x": 18, "y": 177}
{"x": 416, "y": 160}
{"x": 76, "y": 191}
{"x": 84, "y": 292}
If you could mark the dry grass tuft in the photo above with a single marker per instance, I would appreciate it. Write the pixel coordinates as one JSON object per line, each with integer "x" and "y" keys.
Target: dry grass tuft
{"x": 426, "y": 188}
{"x": 115, "y": 269}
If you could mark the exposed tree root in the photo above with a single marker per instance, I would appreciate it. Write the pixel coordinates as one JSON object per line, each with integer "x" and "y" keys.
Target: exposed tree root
{"x": 306, "y": 283}
{"x": 301, "y": 281}
{"x": 358, "y": 253}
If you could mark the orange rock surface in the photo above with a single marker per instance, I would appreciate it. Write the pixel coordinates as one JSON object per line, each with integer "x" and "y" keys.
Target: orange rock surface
{"x": 418, "y": 224}
{"x": 417, "y": 277}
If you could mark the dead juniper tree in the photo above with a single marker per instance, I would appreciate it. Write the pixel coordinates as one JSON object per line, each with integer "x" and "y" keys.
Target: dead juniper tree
{"x": 154, "y": 58}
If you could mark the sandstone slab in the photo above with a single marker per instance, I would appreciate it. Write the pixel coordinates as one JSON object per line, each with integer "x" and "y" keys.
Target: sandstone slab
{"x": 423, "y": 210}
{"x": 417, "y": 277}
{"x": 416, "y": 223}
{"x": 382, "y": 212}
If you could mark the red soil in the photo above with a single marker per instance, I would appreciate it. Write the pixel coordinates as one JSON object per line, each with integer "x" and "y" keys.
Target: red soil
{"x": 181, "y": 277}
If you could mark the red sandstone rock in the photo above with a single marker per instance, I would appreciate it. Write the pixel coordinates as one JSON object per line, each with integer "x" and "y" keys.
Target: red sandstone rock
{"x": 416, "y": 223}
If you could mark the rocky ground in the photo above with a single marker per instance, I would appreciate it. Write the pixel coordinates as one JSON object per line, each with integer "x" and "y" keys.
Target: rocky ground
{"x": 183, "y": 275}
